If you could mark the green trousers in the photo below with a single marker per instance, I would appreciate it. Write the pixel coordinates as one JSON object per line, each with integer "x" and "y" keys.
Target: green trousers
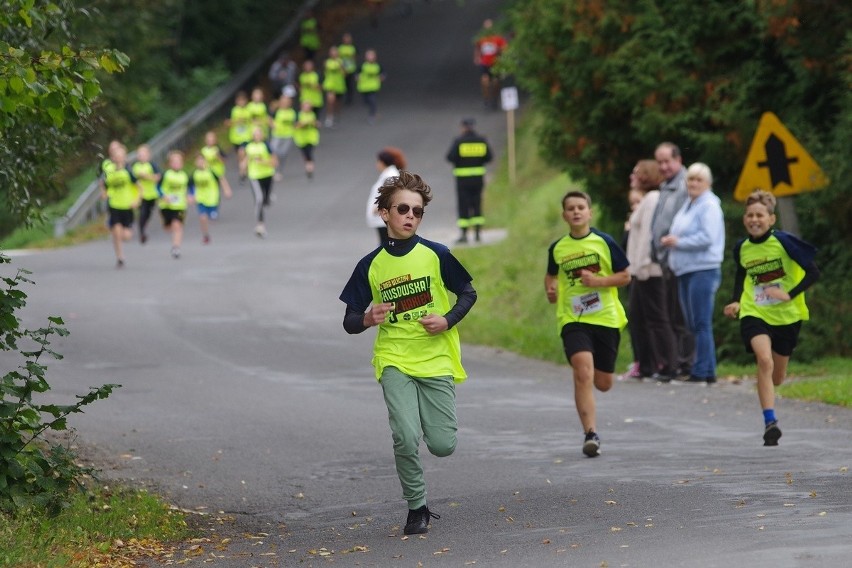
{"x": 418, "y": 406}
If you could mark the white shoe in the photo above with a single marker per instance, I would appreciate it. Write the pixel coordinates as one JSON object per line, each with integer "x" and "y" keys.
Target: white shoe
{"x": 260, "y": 230}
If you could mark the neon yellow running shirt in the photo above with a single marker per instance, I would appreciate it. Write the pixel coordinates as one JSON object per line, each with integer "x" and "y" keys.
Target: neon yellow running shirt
{"x": 415, "y": 283}
{"x": 576, "y": 303}
{"x": 768, "y": 263}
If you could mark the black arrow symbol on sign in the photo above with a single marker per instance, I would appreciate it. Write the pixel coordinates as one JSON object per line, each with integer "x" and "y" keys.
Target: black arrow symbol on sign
{"x": 777, "y": 161}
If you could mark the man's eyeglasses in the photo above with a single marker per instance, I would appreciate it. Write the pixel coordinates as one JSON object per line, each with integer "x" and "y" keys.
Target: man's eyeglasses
{"x": 403, "y": 209}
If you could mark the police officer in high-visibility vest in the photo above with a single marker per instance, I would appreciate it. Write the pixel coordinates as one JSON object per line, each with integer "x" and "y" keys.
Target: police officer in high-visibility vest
{"x": 469, "y": 153}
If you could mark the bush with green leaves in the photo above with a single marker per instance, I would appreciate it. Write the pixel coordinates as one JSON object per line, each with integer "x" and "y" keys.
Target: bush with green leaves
{"x": 616, "y": 78}
{"x": 49, "y": 82}
{"x": 33, "y": 471}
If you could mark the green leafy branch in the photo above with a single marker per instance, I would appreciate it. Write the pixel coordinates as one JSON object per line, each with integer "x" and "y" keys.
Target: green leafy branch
{"x": 32, "y": 472}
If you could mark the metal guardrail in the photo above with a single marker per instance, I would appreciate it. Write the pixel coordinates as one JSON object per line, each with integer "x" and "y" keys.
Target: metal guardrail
{"x": 185, "y": 130}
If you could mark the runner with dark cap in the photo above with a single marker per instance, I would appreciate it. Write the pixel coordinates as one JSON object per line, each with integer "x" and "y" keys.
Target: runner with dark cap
{"x": 469, "y": 153}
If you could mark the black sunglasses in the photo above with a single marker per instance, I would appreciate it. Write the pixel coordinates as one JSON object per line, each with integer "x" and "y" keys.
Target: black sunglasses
{"x": 403, "y": 208}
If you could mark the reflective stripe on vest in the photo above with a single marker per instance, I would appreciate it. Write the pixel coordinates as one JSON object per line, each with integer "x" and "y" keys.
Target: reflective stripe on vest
{"x": 469, "y": 172}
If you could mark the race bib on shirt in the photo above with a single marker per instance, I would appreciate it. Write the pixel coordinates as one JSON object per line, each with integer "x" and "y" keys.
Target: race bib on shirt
{"x": 761, "y": 298}
{"x": 586, "y": 304}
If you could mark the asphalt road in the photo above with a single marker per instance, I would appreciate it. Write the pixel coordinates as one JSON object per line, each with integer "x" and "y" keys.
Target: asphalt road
{"x": 244, "y": 399}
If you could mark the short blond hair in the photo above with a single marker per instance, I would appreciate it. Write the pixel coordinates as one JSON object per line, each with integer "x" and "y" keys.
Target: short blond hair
{"x": 763, "y": 197}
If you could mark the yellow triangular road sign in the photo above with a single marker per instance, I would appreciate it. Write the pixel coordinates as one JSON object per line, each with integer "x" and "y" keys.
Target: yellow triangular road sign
{"x": 778, "y": 163}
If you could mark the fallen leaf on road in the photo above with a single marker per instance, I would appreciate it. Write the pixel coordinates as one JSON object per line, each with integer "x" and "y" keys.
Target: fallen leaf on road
{"x": 546, "y": 541}
{"x": 822, "y": 514}
{"x": 813, "y": 493}
{"x": 615, "y": 529}
{"x": 610, "y": 502}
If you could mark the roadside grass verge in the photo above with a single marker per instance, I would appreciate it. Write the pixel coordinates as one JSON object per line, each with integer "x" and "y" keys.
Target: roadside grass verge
{"x": 825, "y": 380}
{"x": 40, "y": 234}
{"x": 105, "y": 527}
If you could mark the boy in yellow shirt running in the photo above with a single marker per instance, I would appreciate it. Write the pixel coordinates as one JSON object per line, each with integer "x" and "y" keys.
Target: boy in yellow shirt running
{"x": 584, "y": 270}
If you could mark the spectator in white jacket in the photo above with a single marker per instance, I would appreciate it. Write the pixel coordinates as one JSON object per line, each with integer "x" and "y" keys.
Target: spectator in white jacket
{"x": 388, "y": 161}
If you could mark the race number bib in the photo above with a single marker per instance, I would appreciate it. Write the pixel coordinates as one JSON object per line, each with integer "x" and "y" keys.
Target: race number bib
{"x": 586, "y": 304}
{"x": 761, "y": 298}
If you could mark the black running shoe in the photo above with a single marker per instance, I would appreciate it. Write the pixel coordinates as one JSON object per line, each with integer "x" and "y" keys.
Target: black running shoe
{"x": 772, "y": 434}
{"x": 418, "y": 520}
{"x": 592, "y": 444}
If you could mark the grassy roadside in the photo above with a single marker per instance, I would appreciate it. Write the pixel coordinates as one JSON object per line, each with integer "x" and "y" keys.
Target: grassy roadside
{"x": 40, "y": 235}
{"x": 106, "y": 527}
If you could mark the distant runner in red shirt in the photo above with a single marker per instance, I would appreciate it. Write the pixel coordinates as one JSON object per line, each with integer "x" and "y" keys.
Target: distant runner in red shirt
{"x": 489, "y": 45}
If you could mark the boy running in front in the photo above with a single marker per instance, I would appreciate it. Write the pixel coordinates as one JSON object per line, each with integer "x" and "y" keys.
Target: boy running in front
{"x": 774, "y": 269}
{"x": 584, "y": 270}
{"x": 403, "y": 287}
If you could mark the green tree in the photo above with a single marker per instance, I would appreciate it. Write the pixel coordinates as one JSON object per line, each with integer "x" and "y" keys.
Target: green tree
{"x": 616, "y": 77}
{"x": 48, "y": 84}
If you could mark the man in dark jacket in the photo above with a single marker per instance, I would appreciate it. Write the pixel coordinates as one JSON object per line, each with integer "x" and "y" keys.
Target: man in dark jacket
{"x": 469, "y": 153}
